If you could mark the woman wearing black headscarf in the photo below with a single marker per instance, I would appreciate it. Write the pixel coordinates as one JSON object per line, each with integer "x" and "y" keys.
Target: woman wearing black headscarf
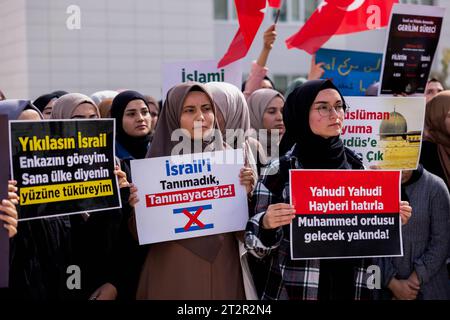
{"x": 45, "y": 102}
{"x": 133, "y": 125}
{"x": 313, "y": 117}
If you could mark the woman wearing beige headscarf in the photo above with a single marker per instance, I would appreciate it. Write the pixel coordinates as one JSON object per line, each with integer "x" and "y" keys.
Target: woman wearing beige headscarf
{"x": 233, "y": 115}
{"x": 201, "y": 268}
{"x": 435, "y": 153}
{"x": 75, "y": 106}
{"x": 266, "y": 112}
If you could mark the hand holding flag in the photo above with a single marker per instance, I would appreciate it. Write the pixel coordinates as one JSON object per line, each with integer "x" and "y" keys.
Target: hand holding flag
{"x": 250, "y": 15}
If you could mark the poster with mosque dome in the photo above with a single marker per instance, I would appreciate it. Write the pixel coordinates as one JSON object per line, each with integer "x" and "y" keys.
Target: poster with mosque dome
{"x": 385, "y": 131}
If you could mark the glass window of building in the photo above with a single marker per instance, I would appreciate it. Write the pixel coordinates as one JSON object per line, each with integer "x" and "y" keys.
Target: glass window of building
{"x": 220, "y": 9}
{"x": 283, "y": 12}
{"x": 295, "y": 10}
{"x": 232, "y": 9}
{"x": 281, "y": 82}
{"x": 426, "y": 2}
{"x": 310, "y": 7}
{"x": 291, "y": 10}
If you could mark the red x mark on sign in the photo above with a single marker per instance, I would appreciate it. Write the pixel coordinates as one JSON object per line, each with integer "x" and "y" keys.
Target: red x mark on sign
{"x": 193, "y": 218}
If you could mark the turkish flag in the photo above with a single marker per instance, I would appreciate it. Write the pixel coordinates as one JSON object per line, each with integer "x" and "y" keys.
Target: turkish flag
{"x": 250, "y": 18}
{"x": 275, "y": 3}
{"x": 340, "y": 17}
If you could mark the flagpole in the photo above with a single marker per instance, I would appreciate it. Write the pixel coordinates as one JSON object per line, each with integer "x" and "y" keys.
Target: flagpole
{"x": 277, "y": 16}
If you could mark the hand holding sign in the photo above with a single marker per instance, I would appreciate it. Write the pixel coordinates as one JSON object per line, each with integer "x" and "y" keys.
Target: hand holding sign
{"x": 133, "y": 199}
{"x": 12, "y": 192}
{"x": 316, "y": 70}
{"x": 247, "y": 178}
{"x": 278, "y": 215}
{"x": 8, "y": 212}
{"x": 122, "y": 177}
{"x": 405, "y": 211}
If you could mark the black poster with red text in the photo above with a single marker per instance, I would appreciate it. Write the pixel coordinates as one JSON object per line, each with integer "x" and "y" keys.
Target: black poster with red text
{"x": 411, "y": 46}
{"x": 345, "y": 214}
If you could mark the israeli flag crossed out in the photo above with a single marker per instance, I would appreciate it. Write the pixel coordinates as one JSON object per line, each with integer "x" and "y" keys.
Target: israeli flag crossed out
{"x": 194, "y": 222}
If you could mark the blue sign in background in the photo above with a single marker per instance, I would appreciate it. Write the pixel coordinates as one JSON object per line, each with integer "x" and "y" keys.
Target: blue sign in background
{"x": 351, "y": 71}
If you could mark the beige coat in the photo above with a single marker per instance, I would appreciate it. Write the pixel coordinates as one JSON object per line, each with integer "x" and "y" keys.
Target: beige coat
{"x": 173, "y": 272}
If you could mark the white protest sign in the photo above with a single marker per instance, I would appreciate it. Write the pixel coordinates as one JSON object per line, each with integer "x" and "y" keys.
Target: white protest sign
{"x": 200, "y": 71}
{"x": 385, "y": 131}
{"x": 189, "y": 195}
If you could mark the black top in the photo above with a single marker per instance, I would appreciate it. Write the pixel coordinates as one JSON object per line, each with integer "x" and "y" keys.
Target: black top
{"x": 429, "y": 158}
{"x": 136, "y": 146}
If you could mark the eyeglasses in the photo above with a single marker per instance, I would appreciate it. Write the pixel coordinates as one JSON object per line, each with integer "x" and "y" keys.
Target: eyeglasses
{"x": 325, "y": 110}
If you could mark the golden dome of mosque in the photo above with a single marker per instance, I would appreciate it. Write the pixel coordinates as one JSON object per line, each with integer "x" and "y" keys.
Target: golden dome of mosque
{"x": 394, "y": 126}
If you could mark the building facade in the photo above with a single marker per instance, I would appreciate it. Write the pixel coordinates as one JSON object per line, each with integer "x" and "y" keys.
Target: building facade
{"x": 86, "y": 46}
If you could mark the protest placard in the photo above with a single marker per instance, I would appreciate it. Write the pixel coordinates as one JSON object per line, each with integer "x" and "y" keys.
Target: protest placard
{"x": 345, "y": 214}
{"x": 203, "y": 71}
{"x": 64, "y": 166}
{"x": 413, "y": 37}
{"x": 385, "y": 131}
{"x": 352, "y": 72}
{"x": 189, "y": 195}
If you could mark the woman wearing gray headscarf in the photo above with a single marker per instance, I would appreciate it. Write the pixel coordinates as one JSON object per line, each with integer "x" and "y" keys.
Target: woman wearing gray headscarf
{"x": 99, "y": 239}
{"x": 210, "y": 264}
{"x": 266, "y": 112}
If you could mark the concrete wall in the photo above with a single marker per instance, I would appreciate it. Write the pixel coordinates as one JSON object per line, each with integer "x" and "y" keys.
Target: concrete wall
{"x": 13, "y": 48}
{"x": 121, "y": 44}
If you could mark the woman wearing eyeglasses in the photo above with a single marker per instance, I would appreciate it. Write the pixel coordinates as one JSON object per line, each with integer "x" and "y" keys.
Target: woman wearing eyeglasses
{"x": 313, "y": 116}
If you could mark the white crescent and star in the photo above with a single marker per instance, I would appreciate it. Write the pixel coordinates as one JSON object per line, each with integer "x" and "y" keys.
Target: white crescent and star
{"x": 352, "y": 7}
{"x": 355, "y": 5}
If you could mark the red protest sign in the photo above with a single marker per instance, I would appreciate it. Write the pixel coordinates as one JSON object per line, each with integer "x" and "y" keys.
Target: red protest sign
{"x": 345, "y": 214}
{"x": 345, "y": 191}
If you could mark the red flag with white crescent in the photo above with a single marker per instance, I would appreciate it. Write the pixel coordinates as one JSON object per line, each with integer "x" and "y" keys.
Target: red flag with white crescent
{"x": 250, "y": 15}
{"x": 340, "y": 17}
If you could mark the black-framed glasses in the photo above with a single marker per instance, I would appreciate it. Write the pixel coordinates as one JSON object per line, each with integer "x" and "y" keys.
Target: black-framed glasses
{"x": 325, "y": 110}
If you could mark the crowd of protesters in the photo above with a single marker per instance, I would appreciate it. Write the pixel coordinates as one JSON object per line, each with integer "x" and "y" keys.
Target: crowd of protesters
{"x": 304, "y": 125}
